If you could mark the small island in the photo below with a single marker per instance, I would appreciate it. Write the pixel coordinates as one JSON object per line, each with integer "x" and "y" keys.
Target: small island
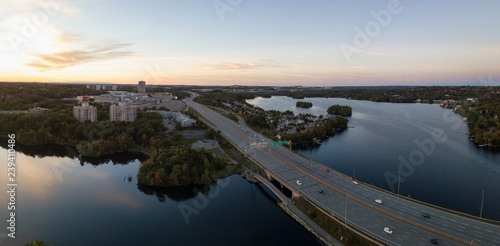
{"x": 303, "y": 104}
{"x": 341, "y": 110}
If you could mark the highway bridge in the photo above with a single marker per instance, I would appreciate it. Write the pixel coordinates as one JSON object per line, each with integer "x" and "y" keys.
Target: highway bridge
{"x": 354, "y": 203}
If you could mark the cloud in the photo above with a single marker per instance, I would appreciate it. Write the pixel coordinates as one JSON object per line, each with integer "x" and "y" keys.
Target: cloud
{"x": 66, "y": 58}
{"x": 268, "y": 60}
{"x": 233, "y": 66}
{"x": 251, "y": 65}
{"x": 346, "y": 77}
{"x": 383, "y": 54}
{"x": 298, "y": 65}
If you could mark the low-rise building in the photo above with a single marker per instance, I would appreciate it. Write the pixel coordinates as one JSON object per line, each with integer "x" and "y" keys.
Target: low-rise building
{"x": 177, "y": 116}
{"x": 38, "y": 111}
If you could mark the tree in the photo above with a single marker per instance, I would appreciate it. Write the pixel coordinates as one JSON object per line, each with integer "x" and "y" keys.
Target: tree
{"x": 210, "y": 133}
{"x": 340, "y": 110}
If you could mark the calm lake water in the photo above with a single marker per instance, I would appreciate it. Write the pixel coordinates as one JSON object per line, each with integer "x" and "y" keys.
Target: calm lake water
{"x": 66, "y": 201}
{"x": 447, "y": 170}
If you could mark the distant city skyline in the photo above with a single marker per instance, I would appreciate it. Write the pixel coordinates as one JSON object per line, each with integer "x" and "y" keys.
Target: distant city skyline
{"x": 243, "y": 42}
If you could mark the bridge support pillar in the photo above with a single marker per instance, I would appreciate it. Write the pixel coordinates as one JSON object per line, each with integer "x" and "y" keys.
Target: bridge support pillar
{"x": 295, "y": 194}
{"x": 269, "y": 177}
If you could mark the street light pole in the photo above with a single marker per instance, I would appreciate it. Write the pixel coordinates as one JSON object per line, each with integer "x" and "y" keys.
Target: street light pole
{"x": 482, "y": 201}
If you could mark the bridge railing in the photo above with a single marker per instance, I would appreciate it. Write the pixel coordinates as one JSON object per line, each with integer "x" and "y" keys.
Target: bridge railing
{"x": 351, "y": 223}
{"x": 283, "y": 181}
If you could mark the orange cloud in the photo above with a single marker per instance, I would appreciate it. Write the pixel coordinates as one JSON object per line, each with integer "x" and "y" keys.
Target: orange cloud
{"x": 62, "y": 59}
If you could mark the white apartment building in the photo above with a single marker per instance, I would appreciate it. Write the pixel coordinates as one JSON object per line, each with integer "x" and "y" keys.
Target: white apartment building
{"x": 85, "y": 112}
{"x": 122, "y": 112}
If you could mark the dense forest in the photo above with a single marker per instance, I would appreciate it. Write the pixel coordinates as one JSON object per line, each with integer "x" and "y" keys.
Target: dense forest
{"x": 179, "y": 165}
{"x": 90, "y": 139}
{"x": 22, "y": 96}
{"x": 483, "y": 119}
{"x": 340, "y": 110}
{"x": 303, "y": 104}
{"x": 147, "y": 134}
{"x": 217, "y": 98}
{"x": 393, "y": 94}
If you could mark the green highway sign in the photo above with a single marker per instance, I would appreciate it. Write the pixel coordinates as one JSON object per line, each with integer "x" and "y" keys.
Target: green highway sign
{"x": 280, "y": 143}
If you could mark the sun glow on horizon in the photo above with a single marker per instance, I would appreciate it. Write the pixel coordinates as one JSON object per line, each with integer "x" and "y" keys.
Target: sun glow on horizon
{"x": 289, "y": 44}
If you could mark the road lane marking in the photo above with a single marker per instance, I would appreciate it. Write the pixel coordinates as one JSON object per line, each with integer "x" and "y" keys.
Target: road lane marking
{"x": 423, "y": 227}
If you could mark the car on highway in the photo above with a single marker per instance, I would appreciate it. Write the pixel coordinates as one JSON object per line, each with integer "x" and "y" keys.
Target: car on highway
{"x": 379, "y": 201}
{"x": 388, "y": 230}
{"x": 427, "y": 216}
{"x": 435, "y": 241}
{"x": 355, "y": 182}
{"x": 326, "y": 170}
{"x": 298, "y": 182}
{"x": 321, "y": 192}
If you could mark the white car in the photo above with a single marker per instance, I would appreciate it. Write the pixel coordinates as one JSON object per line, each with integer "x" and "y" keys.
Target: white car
{"x": 379, "y": 201}
{"x": 388, "y": 230}
{"x": 355, "y": 182}
{"x": 298, "y": 182}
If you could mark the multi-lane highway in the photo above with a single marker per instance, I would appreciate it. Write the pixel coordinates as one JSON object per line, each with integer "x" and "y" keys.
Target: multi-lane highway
{"x": 355, "y": 203}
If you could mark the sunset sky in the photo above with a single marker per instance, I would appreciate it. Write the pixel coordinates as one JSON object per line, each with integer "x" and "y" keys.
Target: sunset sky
{"x": 251, "y": 42}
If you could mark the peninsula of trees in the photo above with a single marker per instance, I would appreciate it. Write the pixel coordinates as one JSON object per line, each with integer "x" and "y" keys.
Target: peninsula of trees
{"x": 303, "y": 104}
{"x": 340, "y": 110}
{"x": 179, "y": 165}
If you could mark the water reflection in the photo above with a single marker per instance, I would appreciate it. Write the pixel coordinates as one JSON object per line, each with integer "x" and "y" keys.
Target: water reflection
{"x": 60, "y": 199}
{"x": 41, "y": 150}
{"x": 177, "y": 194}
{"x": 121, "y": 158}
{"x": 55, "y": 150}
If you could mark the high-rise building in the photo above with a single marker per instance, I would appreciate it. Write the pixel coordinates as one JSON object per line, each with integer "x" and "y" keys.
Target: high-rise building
{"x": 122, "y": 112}
{"x": 85, "y": 112}
{"x": 141, "y": 88}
